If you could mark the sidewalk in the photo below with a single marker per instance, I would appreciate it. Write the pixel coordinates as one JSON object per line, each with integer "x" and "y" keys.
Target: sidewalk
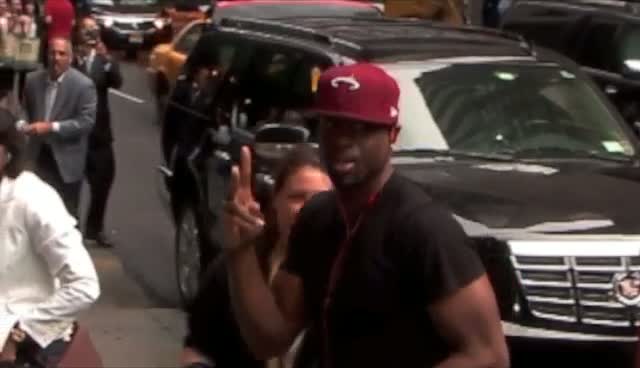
{"x": 127, "y": 330}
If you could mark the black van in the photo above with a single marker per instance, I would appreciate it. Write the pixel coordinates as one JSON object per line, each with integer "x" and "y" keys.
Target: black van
{"x": 603, "y": 36}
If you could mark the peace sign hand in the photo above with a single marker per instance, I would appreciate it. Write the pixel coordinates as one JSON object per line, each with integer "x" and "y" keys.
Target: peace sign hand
{"x": 242, "y": 220}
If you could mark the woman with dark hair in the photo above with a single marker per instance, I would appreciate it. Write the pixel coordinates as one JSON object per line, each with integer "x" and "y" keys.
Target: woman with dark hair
{"x": 213, "y": 336}
{"x": 46, "y": 274}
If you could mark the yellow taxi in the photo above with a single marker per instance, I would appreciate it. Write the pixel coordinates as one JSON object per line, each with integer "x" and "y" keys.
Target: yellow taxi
{"x": 166, "y": 60}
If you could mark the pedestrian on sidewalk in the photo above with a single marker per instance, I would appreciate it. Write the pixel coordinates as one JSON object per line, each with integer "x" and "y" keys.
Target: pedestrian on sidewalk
{"x": 59, "y": 108}
{"x": 385, "y": 274}
{"x": 59, "y": 16}
{"x": 95, "y": 62}
{"x": 46, "y": 275}
{"x": 214, "y": 338}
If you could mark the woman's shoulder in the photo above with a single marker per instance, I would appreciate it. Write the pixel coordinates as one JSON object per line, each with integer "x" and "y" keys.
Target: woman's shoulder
{"x": 29, "y": 187}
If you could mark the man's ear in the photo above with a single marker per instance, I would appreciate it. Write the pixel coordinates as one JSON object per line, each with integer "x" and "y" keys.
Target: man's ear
{"x": 393, "y": 134}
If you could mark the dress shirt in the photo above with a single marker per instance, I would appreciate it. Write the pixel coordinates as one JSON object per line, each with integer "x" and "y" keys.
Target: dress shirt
{"x": 50, "y": 99}
{"x": 46, "y": 275}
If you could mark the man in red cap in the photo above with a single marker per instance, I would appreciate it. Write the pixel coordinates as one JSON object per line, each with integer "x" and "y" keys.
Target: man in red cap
{"x": 377, "y": 271}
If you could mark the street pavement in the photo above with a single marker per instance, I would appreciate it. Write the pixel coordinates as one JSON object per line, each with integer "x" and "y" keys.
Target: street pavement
{"x": 137, "y": 322}
{"x": 137, "y": 215}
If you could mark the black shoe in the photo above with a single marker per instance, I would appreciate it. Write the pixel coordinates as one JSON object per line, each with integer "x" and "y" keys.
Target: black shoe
{"x": 101, "y": 240}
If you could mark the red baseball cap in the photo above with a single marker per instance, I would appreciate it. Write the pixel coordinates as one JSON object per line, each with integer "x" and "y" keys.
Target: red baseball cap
{"x": 363, "y": 92}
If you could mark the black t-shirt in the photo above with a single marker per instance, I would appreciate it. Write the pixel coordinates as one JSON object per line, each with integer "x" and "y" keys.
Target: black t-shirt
{"x": 408, "y": 253}
{"x": 212, "y": 327}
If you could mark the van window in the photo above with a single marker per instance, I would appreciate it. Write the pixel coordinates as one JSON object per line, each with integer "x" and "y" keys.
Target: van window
{"x": 599, "y": 37}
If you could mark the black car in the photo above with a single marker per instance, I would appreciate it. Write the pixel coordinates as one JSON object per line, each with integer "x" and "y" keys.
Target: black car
{"x": 131, "y": 25}
{"x": 602, "y": 36}
{"x": 536, "y": 164}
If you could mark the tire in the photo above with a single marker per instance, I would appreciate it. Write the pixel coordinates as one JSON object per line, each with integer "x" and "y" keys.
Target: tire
{"x": 188, "y": 254}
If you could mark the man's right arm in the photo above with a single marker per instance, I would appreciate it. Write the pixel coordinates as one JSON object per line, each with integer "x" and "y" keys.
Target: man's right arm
{"x": 270, "y": 318}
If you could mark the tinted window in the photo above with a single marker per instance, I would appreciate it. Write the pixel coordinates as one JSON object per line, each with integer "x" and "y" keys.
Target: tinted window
{"x": 629, "y": 50}
{"x": 535, "y": 111}
{"x": 189, "y": 39}
{"x": 546, "y": 26}
{"x": 278, "y": 81}
{"x": 274, "y": 11}
{"x": 598, "y": 45}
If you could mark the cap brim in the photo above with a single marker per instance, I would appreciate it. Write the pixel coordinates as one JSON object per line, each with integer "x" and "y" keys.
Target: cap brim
{"x": 344, "y": 115}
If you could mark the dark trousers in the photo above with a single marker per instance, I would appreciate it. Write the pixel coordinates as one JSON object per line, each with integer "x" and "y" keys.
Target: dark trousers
{"x": 47, "y": 170}
{"x": 31, "y": 355}
{"x": 100, "y": 172}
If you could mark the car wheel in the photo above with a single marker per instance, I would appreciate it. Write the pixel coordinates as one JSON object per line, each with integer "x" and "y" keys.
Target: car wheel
{"x": 188, "y": 254}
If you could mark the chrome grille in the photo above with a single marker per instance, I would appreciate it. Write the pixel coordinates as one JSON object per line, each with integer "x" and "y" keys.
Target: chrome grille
{"x": 577, "y": 289}
{"x": 141, "y": 26}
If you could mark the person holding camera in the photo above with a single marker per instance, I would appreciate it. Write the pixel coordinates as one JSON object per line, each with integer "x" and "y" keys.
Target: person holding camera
{"x": 95, "y": 61}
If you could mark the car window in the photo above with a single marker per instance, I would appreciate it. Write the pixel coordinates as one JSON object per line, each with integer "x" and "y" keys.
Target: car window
{"x": 279, "y": 80}
{"x": 598, "y": 43}
{"x": 546, "y": 26}
{"x": 629, "y": 48}
{"x": 536, "y": 111}
{"x": 189, "y": 39}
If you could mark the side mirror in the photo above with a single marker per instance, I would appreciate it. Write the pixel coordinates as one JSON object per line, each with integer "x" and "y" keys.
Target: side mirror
{"x": 282, "y": 134}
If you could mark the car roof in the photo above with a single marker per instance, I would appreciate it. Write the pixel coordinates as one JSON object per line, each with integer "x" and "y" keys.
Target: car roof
{"x": 347, "y": 3}
{"x": 376, "y": 38}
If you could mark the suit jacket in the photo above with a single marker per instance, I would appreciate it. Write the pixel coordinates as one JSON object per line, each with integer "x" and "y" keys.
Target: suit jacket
{"x": 105, "y": 74}
{"x": 74, "y": 109}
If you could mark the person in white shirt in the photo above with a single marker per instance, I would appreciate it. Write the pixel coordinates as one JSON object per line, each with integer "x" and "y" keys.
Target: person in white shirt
{"x": 46, "y": 275}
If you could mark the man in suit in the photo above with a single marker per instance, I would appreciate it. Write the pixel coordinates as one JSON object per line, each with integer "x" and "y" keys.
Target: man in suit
{"x": 95, "y": 62}
{"x": 59, "y": 111}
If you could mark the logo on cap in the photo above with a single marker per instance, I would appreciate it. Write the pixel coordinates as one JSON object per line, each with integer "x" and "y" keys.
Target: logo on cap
{"x": 351, "y": 81}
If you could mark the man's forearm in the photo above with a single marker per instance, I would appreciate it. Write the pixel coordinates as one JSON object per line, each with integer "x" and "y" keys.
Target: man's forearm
{"x": 261, "y": 321}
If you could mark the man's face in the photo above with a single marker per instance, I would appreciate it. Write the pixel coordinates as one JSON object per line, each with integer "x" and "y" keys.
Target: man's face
{"x": 59, "y": 57}
{"x": 354, "y": 152}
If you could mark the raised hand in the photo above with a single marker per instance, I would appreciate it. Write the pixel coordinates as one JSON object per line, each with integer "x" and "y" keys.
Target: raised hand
{"x": 243, "y": 222}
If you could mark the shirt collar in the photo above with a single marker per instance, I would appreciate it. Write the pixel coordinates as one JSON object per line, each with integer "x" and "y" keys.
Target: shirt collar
{"x": 57, "y": 81}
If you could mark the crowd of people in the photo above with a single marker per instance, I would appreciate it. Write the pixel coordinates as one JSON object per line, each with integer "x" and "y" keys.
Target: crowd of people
{"x": 349, "y": 265}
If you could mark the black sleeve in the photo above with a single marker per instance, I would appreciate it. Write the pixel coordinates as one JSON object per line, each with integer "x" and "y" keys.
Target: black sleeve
{"x": 439, "y": 255}
{"x": 208, "y": 308}
{"x": 114, "y": 76}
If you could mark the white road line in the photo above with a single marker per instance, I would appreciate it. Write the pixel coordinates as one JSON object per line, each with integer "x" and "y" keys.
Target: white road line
{"x": 126, "y": 96}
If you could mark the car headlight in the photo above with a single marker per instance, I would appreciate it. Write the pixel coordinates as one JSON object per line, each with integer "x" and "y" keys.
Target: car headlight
{"x": 161, "y": 22}
{"x": 107, "y": 22}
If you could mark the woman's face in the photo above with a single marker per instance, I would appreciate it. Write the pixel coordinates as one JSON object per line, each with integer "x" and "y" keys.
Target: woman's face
{"x": 297, "y": 189}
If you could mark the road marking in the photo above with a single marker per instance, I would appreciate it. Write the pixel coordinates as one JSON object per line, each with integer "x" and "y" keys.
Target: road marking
{"x": 126, "y": 96}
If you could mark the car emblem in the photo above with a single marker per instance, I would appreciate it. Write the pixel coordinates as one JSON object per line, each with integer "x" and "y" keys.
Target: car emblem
{"x": 626, "y": 288}
{"x": 134, "y": 25}
{"x": 351, "y": 81}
